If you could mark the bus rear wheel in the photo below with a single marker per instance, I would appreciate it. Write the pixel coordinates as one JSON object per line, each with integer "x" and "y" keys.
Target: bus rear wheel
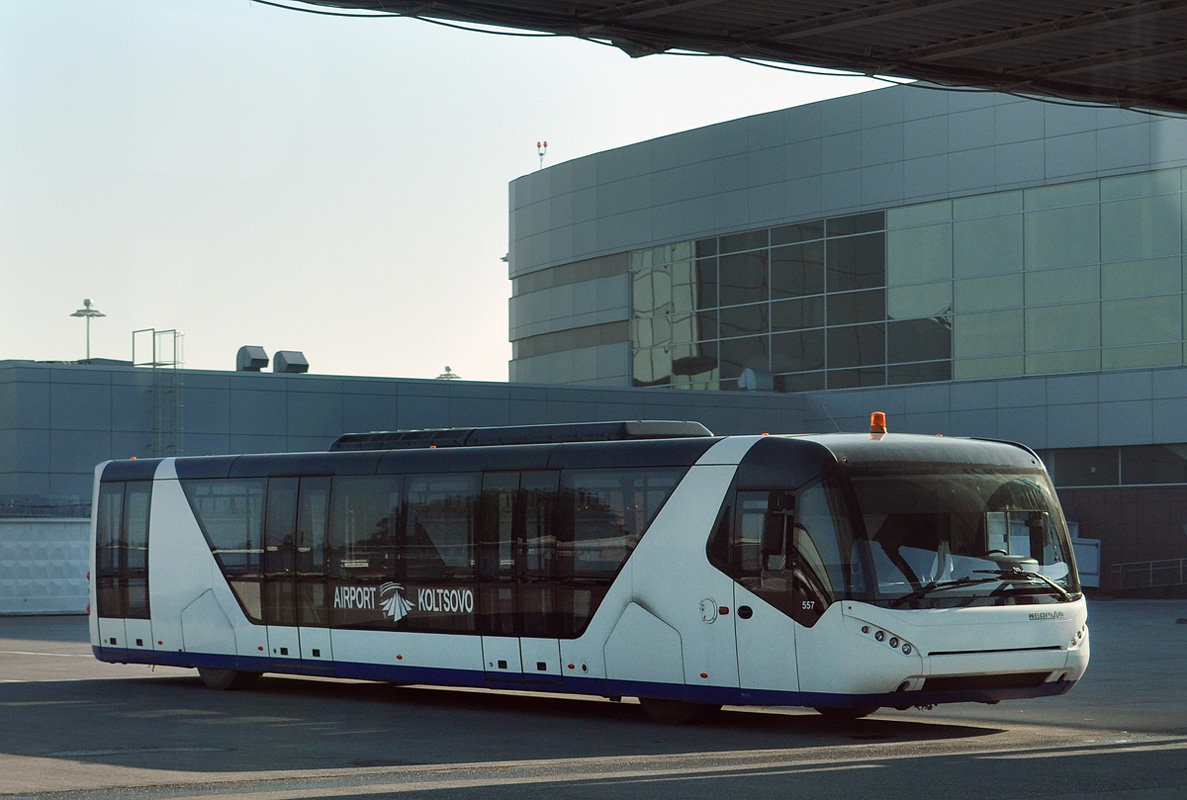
{"x": 224, "y": 679}
{"x": 676, "y": 712}
{"x": 845, "y": 714}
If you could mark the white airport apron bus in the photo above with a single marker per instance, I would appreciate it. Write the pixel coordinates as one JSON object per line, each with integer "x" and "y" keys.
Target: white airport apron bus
{"x": 841, "y": 572}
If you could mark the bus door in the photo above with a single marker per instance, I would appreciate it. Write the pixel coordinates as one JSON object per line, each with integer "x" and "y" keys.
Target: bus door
{"x": 294, "y": 566}
{"x": 516, "y": 569}
{"x": 764, "y": 592}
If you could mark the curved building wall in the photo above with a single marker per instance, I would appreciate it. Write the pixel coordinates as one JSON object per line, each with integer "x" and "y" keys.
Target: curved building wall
{"x": 896, "y": 237}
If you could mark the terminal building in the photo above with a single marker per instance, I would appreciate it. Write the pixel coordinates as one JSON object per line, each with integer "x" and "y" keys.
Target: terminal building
{"x": 972, "y": 264}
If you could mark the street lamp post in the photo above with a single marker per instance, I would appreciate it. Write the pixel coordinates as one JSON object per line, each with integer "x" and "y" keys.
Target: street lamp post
{"x": 88, "y": 311}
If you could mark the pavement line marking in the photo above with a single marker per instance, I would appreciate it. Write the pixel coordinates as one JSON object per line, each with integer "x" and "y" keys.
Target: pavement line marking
{"x": 1120, "y": 747}
{"x": 57, "y": 655}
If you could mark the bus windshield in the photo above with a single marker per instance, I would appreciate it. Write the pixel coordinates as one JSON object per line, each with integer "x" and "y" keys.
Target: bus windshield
{"x": 938, "y": 539}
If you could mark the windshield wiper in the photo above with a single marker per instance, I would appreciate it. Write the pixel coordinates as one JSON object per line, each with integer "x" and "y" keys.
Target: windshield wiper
{"x": 1018, "y": 572}
{"x": 934, "y": 586}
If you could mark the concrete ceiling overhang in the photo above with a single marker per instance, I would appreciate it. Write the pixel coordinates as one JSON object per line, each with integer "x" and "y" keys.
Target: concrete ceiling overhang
{"x": 1128, "y": 54}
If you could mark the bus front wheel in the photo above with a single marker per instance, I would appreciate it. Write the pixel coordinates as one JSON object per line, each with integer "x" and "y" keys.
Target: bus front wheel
{"x": 223, "y": 679}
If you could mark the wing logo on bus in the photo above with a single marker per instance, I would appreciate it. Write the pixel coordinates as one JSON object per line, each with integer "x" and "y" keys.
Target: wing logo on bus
{"x": 396, "y": 606}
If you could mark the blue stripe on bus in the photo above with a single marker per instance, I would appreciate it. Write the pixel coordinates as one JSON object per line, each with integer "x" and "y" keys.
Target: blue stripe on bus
{"x": 601, "y": 687}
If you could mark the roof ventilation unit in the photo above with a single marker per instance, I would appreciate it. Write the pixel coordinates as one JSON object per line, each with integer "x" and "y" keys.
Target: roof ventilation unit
{"x": 289, "y": 361}
{"x": 251, "y": 358}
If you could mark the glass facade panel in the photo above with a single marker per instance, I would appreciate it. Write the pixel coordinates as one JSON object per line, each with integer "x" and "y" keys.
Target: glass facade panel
{"x": 991, "y": 334}
{"x": 988, "y": 246}
{"x": 1145, "y": 184}
{"x": 1046, "y": 280}
{"x": 1145, "y": 320}
{"x": 1145, "y": 227}
{"x": 923, "y": 214}
{"x": 1066, "y": 194}
{"x": 856, "y": 262}
{"x": 744, "y": 320}
{"x": 752, "y": 352}
{"x": 856, "y": 346}
{"x": 1063, "y": 327}
{"x": 852, "y": 307}
{"x": 1141, "y": 278}
{"x": 799, "y": 232}
{"x": 987, "y": 294}
{"x": 982, "y": 368}
{"x": 918, "y": 255}
{"x": 987, "y": 205}
{"x": 794, "y": 315}
{"x": 927, "y": 300}
{"x": 799, "y": 351}
{"x": 1084, "y": 466}
{"x": 1075, "y": 285}
{"x": 1150, "y": 355}
{"x": 797, "y": 270}
{"x": 743, "y": 278}
{"x": 1063, "y": 237}
{"x": 919, "y": 340}
{"x": 1067, "y": 361}
{"x": 1158, "y": 463}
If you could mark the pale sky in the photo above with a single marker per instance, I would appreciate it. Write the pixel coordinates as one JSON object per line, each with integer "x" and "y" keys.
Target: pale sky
{"x": 250, "y": 175}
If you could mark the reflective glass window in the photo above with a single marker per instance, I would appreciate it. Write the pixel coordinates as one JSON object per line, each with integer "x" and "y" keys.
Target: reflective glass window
{"x": 925, "y": 372}
{"x": 752, "y": 352}
{"x": 976, "y": 368}
{"x": 1062, "y": 237}
{"x": 922, "y": 214}
{"x": 744, "y": 320}
{"x": 738, "y": 242}
{"x": 651, "y": 291}
{"x": 987, "y": 205}
{"x": 924, "y": 300}
{"x": 1084, "y": 466}
{"x": 800, "y": 382}
{"x": 1142, "y": 320}
{"x": 919, "y": 340}
{"x": 987, "y": 294}
{"x": 1077, "y": 284}
{"x": 797, "y": 270}
{"x": 1145, "y": 184}
{"x": 856, "y": 346}
{"x": 1157, "y": 463}
{"x": 857, "y": 223}
{"x": 991, "y": 334}
{"x": 918, "y": 255}
{"x": 1063, "y": 361}
{"x": 850, "y": 307}
{"x": 706, "y": 277}
{"x": 1141, "y": 278}
{"x": 856, "y": 378}
{"x": 697, "y": 362}
{"x": 799, "y": 351}
{"x": 799, "y": 232}
{"x": 989, "y": 246}
{"x": 743, "y": 278}
{"x": 1067, "y": 194}
{"x": 651, "y": 367}
{"x": 856, "y": 262}
{"x": 1147, "y": 355}
{"x": 794, "y": 315}
{"x": 1063, "y": 327}
{"x": 1145, "y": 227}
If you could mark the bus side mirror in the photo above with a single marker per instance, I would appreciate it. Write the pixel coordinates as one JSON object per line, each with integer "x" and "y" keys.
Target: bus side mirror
{"x": 780, "y": 507}
{"x": 773, "y": 534}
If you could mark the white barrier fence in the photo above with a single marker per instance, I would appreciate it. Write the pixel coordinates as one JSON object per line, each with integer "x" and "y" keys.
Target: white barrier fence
{"x": 43, "y": 566}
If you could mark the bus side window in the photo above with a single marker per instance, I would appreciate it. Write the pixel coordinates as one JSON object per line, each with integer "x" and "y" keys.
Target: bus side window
{"x": 121, "y": 549}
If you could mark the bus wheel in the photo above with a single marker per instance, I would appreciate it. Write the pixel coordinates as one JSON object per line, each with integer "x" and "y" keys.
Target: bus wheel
{"x": 675, "y": 712}
{"x": 846, "y": 714}
{"x": 226, "y": 678}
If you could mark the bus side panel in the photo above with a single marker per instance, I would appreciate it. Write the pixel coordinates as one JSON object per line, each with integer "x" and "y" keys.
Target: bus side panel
{"x": 456, "y": 658}
{"x": 673, "y": 579}
{"x": 669, "y": 577}
{"x": 180, "y": 565}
